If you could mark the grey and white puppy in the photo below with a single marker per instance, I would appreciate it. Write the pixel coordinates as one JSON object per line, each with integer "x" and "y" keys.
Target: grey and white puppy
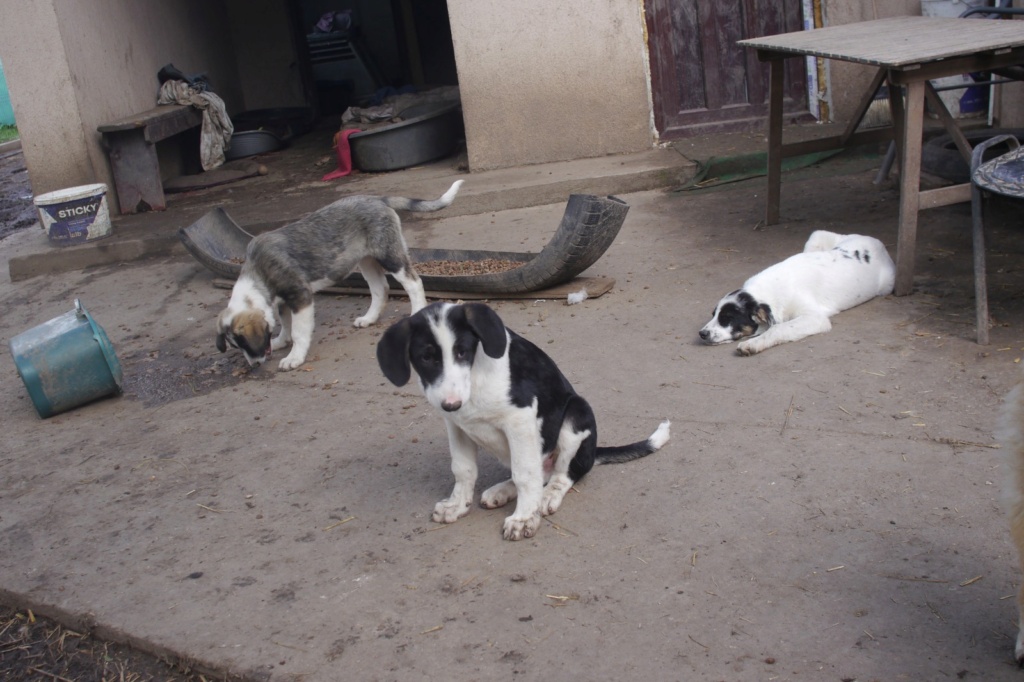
{"x": 285, "y": 267}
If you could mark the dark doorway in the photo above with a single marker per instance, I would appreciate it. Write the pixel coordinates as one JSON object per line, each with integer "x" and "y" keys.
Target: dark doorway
{"x": 353, "y": 50}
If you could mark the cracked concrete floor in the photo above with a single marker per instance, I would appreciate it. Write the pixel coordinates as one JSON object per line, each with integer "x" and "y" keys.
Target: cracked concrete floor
{"x": 827, "y": 510}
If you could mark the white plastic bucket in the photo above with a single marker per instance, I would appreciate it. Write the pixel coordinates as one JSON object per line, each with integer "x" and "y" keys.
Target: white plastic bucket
{"x": 75, "y": 215}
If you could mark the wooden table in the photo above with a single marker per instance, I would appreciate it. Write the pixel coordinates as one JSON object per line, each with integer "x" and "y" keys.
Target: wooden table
{"x": 908, "y": 52}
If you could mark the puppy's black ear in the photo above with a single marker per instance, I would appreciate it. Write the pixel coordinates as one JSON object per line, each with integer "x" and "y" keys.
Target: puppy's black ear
{"x": 487, "y": 327}
{"x": 763, "y": 315}
{"x": 222, "y": 343}
{"x": 393, "y": 353}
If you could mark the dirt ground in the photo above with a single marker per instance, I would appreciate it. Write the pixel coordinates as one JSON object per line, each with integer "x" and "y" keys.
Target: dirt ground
{"x": 33, "y": 647}
{"x": 16, "y": 209}
{"x": 828, "y": 510}
{"x": 36, "y": 648}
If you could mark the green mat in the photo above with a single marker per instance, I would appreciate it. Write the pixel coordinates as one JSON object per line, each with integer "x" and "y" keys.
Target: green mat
{"x": 723, "y": 170}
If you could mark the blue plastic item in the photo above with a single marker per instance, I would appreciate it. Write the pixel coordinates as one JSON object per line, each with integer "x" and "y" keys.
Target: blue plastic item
{"x": 66, "y": 362}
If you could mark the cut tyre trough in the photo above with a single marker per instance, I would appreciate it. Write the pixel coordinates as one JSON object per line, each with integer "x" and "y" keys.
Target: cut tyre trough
{"x": 588, "y": 227}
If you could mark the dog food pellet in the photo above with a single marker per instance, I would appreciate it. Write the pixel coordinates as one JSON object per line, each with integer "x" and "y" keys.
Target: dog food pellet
{"x": 452, "y": 268}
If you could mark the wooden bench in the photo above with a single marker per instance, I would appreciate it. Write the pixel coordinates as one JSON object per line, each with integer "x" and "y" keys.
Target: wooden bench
{"x": 131, "y": 145}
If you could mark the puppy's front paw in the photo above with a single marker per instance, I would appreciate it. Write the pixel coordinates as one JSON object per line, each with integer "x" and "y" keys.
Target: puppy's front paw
{"x": 498, "y": 495}
{"x": 554, "y": 493}
{"x": 364, "y": 321}
{"x": 519, "y": 528}
{"x": 747, "y": 348}
{"x": 278, "y": 342}
{"x": 449, "y": 510}
{"x": 290, "y": 362}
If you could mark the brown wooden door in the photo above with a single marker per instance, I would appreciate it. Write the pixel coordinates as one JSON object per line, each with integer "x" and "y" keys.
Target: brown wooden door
{"x": 702, "y": 81}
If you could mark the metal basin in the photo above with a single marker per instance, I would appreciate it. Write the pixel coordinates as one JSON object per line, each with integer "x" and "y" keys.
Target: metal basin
{"x": 252, "y": 142}
{"x": 429, "y": 132}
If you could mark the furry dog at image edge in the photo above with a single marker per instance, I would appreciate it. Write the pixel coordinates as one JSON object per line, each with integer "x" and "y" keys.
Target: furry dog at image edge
{"x": 794, "y": 299}
{"x": 285, "y": 267}
{"x": 1011, "y": 434}
{"x": 499, "y": 392}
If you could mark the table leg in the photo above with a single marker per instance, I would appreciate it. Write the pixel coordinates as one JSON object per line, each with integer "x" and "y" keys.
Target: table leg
{"x": 948, "y": 122}
{"x": 898, "y": 113}
{"x": 910, "y": 188}
{"x": 980, "y": 285}
{"x": 136, "y": 171}
{"x": 774, "y": 141}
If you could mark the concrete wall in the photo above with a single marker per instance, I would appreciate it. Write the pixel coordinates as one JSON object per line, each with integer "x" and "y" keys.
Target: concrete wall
{"x": 549, "y": 81}
{"x": 44, "y": 96}
{"x": 72, "y": 66}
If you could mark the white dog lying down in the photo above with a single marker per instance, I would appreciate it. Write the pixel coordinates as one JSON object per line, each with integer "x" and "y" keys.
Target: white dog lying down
{"x": 794, "y": 299}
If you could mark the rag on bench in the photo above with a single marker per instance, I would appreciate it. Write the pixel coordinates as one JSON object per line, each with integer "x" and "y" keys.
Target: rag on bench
{"x": 217, "y": 127}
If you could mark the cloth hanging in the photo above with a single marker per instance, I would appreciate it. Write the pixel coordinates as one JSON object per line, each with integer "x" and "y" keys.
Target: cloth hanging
{"x": 344, "y": 151}
{"x": 217, "y": 127}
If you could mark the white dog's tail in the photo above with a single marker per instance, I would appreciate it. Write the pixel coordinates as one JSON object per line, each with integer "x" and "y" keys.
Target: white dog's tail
{"x": 403, "y": 204}
{"x": 627, "y": 453}
{"x": 822, "y": 240}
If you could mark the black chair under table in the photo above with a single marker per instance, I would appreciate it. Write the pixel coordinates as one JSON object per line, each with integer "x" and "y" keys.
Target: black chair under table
{"x": 1003, "y": 175}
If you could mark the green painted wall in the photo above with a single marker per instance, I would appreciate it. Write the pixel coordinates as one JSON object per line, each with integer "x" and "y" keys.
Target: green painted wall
{"x": 6, "y": 111}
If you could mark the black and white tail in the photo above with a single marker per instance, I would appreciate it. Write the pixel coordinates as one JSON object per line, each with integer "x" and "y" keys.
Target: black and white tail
{"x": 403, "y": 204}
{"x": 627, "y": 453}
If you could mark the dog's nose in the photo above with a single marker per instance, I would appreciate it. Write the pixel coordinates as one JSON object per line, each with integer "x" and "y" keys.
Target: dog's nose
{"x": 704, "y": 334}
{"x": 451, "y": 406}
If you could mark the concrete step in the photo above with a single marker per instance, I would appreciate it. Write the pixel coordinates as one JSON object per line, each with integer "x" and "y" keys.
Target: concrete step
{"x": 262, "y": 204}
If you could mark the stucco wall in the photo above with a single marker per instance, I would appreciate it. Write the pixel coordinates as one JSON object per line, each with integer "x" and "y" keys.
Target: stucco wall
{"x": 43, "y": 95}
{"x": 549, "y": 81}
{"x": 72, "y": 67}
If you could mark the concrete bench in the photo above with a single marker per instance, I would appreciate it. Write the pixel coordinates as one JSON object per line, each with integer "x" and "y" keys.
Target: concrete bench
{"x": 131, "y": 145}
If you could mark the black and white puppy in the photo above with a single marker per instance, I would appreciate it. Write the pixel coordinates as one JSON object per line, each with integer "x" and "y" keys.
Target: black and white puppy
{"x": 499, "y": 392}
{"x": 285, "y": 267}
{"x": 794, "y": 299}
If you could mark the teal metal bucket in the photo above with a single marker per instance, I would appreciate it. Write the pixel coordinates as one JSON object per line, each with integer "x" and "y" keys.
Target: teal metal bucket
{"x": 66, "y": 362}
